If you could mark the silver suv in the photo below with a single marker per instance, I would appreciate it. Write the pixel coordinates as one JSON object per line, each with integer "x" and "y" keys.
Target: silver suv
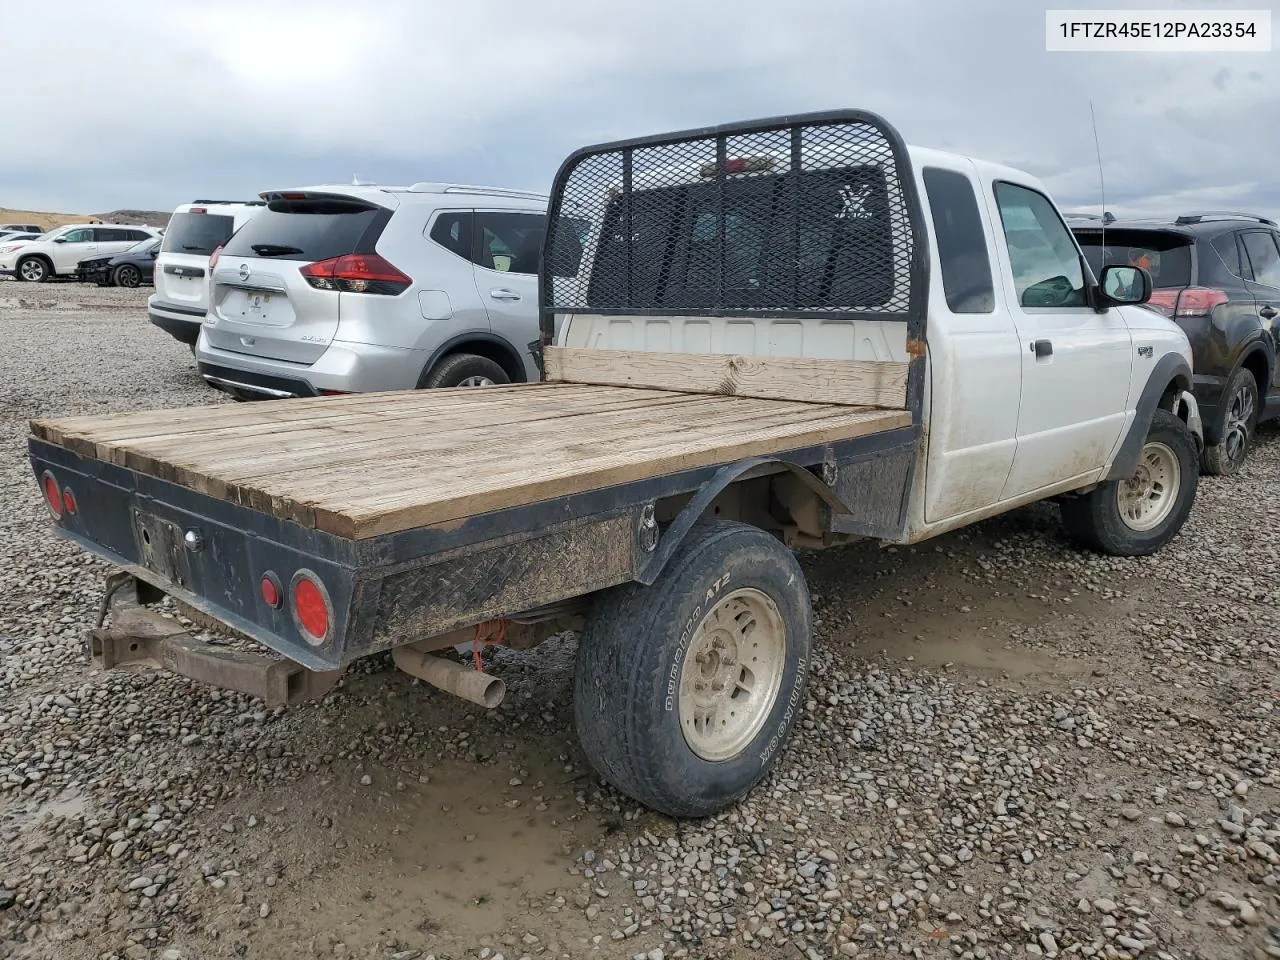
{"x": 348, "y": 289}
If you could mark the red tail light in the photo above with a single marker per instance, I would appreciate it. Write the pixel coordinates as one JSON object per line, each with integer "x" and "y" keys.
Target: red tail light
{"x": 312, "y": 612}
{"x": 213, "y": 257}
{"x": 1187, "y": 301}
{"x": 270, "y": 587}
{"x": 334, "y": 393}
{"x": 356, "y": 273}
{"x": 69, "y": 501}
{"x": 52, "y": 495}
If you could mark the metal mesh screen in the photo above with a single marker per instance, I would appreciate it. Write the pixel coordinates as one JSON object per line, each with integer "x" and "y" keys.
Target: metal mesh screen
{"x": 795, "y": 219}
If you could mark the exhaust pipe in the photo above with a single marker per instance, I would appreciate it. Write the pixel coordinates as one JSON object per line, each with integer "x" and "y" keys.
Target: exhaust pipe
{"x": 461, "y": 681}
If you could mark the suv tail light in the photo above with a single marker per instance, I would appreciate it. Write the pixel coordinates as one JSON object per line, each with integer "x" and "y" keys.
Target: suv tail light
{"x": 213, "y": 257}
{"x": 356, "y": 273}
{"x": 1187, "y": 301}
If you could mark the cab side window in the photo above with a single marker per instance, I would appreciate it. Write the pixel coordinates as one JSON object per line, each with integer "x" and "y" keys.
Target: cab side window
{"x": 1045, "y": 260}
{"x": 962, "y": 246}
{"x": 83, "y": 235}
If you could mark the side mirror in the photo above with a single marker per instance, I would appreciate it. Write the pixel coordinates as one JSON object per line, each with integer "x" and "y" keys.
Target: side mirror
{"x": 59, "y": 239}
{"x": 154, "y": 254}
{"x": 1123, "y": 285}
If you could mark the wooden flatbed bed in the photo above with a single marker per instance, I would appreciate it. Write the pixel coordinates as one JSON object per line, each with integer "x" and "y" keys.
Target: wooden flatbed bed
{"x": 361, "y": 466}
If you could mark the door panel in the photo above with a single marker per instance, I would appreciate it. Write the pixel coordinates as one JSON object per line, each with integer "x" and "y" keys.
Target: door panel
{"x": 507, "y": 248}
{"x": 1076, "y": 362}
{"x": 975, "y": 371}
{"x": 79, "y": 245}
{"x": 1262, "y": 247}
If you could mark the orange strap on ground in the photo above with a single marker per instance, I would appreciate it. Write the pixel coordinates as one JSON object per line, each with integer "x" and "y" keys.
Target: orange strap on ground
{"x": 490, "y": 631}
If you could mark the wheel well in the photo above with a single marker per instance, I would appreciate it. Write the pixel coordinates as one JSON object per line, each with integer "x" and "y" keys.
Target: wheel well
{"x": 37, "y": 256}
{"x": 1171, "y": 398}
{"x": 489, "y": 349}
{"x": 1256, "y": 364}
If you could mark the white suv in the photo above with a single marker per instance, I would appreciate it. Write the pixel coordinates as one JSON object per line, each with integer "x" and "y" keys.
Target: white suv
{"x": 346, "y": 289}
{"x": 195, "y": 230}
{"x": 58, "y": 252}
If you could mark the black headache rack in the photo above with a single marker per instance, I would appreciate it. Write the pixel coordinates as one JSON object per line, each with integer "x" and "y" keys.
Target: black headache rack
{"x": 813, "y": 215}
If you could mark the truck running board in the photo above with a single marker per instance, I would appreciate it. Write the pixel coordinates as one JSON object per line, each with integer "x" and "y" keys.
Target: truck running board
{"x": 142, "y": 638}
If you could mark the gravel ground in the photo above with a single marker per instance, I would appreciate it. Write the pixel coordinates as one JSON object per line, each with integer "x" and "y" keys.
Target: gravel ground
{"x": 1010, "y": 749}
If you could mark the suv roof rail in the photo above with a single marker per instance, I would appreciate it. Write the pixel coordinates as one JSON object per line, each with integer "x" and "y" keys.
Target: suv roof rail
{"x": 244, "y": 203}
{"x": 1221, "y": 215}
{"x": 427, "y": 186}
{"x": 1106, "y": 216}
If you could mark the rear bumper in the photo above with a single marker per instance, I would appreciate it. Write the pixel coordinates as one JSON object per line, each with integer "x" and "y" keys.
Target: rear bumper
{"x": 181, "y": 323}
{"x": 219, "y": 576}
{"x": 342, "y": 368}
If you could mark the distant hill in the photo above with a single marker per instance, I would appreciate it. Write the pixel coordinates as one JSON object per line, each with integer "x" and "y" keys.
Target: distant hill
{"x": 153, "y": 218}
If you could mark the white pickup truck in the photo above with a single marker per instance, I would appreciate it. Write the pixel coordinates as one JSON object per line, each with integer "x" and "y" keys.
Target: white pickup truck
{"x": 787, "y": 333}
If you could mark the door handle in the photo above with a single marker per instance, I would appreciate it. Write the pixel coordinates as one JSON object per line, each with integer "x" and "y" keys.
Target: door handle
{"x": 502, "y": 293}
{"x": 1266, "y": 313}
{"x": 1042, "y": 348}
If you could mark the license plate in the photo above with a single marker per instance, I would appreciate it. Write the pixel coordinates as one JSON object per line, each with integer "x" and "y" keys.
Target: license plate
{"x": 256, "y": 305}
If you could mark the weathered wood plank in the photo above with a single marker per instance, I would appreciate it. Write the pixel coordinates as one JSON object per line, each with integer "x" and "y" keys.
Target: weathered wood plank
{"x": 855, "y": 382}
{"x": 372, "y": 464}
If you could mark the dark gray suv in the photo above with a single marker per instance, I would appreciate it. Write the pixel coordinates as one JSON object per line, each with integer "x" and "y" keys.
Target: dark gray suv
{"x": 1218, "y": 276}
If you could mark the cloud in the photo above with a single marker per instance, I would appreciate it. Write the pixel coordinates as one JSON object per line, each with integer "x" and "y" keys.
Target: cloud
{"x": 182, "y": 99}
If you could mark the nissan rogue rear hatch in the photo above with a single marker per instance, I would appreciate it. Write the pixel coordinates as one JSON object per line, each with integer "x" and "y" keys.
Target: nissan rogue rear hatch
{"x": 278, "y": 283}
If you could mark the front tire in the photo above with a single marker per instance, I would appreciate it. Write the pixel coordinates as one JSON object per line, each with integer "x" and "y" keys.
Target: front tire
{"x": 464, "y": 370}
{"x": 127, "y": 275}
{"x": 33, "y": 269}
{"x": 686, "y": 691}
{"x": 1239, "y": 420}
{"x": 1138, "y": 516}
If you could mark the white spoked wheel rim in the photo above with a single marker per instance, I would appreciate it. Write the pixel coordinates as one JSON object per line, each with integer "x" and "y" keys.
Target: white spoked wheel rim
{"x": 731, "y": 674}
{"x": 479, "y": 381}
{"x": 1147, "y": 498}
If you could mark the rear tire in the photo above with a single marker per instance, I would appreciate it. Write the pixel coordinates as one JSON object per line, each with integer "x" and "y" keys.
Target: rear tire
{"x": 127, "y": 275}
{"x": 33, "y": 269}
{"x": 686, "y": 691}
{"x": 1138, "y": 516}
{"x": 1239, "y": 420}
{"x": 464, "y": 370}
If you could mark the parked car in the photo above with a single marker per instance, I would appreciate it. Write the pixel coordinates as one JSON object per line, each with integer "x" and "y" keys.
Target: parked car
{"x": 129, "y": 269}
{"x": 347, "y": 289}
{"x": 58, "y": 252}
{"x": 33, "y": 228}
{"x": 194, "y": 231}
{"x": 12, "y": 236}
{"x": 1218, "y": 276}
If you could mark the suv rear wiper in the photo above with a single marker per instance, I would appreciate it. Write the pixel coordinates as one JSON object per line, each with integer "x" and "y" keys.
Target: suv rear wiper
{"x": 273, "y": 249}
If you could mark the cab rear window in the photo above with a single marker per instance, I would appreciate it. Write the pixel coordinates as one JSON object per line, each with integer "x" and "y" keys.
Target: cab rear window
{"x": 310, "y": 229}
{"x": 196, "y": 233}
{"x": 807, "y": 240}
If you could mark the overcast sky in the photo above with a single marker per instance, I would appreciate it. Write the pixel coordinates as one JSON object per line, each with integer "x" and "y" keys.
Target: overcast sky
{"x": 152, "y": 104}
